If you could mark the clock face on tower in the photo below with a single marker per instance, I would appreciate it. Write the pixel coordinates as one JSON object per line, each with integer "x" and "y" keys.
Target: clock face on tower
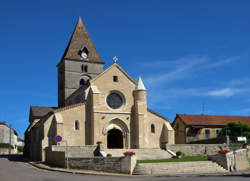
{"x": 84, "y": 55}
{"x": 115, "y": 100}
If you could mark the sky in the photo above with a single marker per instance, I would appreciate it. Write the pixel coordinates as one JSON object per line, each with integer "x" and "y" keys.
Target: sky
{"x": 193, "y": 56}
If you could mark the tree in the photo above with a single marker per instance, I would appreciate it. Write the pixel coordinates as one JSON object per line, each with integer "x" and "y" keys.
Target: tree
{"x": 236, "y": 129}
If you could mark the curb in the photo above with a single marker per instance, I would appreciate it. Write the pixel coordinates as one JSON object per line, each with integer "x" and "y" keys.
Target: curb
{"x": 83, "y": 172}
{"x": 86, "y": 172}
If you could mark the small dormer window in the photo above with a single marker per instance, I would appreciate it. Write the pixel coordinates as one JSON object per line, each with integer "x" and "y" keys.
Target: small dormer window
{"x": 84, "y": 53}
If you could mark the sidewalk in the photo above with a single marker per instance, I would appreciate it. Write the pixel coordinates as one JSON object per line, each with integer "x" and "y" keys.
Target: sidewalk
{"x": 91, "y": 172}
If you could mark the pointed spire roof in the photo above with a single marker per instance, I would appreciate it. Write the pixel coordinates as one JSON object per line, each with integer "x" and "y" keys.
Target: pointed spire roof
{"x": 80, "y": 39}
{"x": 140, "y": 85}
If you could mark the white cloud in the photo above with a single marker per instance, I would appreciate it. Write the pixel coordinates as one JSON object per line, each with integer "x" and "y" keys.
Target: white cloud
{"x": 242, "y": 111}
{"x": 225, "y": 92}
{"x": 162, "y": 72}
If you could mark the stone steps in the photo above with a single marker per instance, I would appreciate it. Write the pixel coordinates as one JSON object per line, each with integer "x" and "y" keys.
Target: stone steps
{"x": 142, "y": 154}
{"x": 173, "y": 168}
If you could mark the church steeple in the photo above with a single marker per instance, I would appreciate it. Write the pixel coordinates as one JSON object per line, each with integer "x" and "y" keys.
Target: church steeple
{"x": 80, "y": 63}
{"x": 80, "y": 46}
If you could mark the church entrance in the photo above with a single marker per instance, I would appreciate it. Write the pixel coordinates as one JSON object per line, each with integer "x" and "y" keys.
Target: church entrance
{"x": 115, "y": 138}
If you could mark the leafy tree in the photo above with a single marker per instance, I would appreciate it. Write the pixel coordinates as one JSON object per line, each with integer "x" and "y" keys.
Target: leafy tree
{"x": 235, "y": 129}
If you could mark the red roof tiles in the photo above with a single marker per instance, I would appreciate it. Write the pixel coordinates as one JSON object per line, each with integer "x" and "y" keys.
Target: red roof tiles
{"x": 211, "y": 119}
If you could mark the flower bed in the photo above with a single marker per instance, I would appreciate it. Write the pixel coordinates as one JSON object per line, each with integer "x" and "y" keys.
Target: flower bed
{"x": 99, "y": 142}
{"x": 223, "y": 151}
{"x": 129, "y": 153}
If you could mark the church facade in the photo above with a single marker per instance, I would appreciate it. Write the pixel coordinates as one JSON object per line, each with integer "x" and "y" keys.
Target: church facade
{"x": 95, "y": 105}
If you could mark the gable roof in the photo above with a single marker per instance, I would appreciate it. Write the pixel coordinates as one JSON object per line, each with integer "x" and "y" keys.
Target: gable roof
{"x": 40, "y": 111}
{"x": 212, "y": 120}
{"x": 3, "y": 123}
{"x": 120, "y": 68}
{"x": 80, "y": 39}
{"x": 153, "y": 112}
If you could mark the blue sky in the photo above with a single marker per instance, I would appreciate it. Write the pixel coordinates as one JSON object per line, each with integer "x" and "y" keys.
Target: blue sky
{"x": 188, "y": 53}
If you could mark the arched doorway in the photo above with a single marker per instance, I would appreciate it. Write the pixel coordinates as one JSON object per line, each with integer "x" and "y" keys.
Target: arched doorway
{"x": 115, "y": 138}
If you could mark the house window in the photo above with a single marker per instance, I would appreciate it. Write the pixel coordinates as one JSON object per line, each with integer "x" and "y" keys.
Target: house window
{"x": 115, "y": 78}
{"x": 207, "y": 133}
{"x": 77, "y": 127}
{"x": 217, "y": 132}
{"x": 152, "y": 128}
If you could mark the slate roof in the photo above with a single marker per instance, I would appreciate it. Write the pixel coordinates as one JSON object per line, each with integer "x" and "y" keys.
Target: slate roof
{"x": 40, "y": 111}
{"x": 212, "y": 120}
{"x": 80, "y": 39}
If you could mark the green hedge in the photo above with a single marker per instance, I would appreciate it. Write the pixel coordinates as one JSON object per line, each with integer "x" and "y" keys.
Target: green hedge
{"x": 19, "y": 149}
{"x": 5, "y": 145}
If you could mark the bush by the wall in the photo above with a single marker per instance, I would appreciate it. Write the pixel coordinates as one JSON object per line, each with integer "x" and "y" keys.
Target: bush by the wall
{"x": 5, "y": 145}
{"x": 19, "y": 149}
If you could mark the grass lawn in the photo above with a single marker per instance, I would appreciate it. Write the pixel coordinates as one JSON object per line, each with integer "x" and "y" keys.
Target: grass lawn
{"x": 183, "y": 159}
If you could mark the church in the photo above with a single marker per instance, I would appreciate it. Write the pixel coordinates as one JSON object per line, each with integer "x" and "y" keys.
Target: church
{"x": 95, "y": 105}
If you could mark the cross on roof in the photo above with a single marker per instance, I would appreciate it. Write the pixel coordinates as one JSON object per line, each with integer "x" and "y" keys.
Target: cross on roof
{"x": 115, "y": 59}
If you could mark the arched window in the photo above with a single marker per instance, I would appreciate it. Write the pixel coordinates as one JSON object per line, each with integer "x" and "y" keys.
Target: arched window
{"x": 86, "y": 68}
{"x": 152, "y": 128}
{"x": 82, "y": 83}
{"x": 77, "y": 126}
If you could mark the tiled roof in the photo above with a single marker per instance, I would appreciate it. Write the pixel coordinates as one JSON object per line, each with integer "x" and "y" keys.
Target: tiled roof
{"x": 80, "y": 39}
{"x": 189, "y": 119}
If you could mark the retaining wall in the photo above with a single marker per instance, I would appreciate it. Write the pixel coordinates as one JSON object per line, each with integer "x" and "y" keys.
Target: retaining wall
{"x": 197, "y": 149}
{"x": 108, "y": 164}
{"x": 233, "y": 160}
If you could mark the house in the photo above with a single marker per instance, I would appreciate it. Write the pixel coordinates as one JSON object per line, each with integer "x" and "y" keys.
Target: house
{"x": 191, "y": 128}
{"x": 8, "y": 136}
{"x": 95, "y": 105}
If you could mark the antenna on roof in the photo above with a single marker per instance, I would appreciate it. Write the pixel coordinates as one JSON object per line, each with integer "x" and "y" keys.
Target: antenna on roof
{"x": 203, "y": 108}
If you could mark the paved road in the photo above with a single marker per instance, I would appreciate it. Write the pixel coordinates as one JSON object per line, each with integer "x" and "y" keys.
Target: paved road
{"x": 13, "y": 168}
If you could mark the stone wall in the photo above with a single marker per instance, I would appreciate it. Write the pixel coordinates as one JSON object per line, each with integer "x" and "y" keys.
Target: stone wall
{"x": 197, "y": 149}
{"x": 78, "y": 151}
{"x": 56, "y": 156}
{"x": 217, "y": 140}
{"x": 5, "y": 151}
{"x": 248, "y": 152}
{"x": 233, "y": 160}
{"x": 108, "y": 164}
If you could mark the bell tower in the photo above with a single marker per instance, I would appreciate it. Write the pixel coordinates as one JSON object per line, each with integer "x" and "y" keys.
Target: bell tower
{"x": 80, "y": 63}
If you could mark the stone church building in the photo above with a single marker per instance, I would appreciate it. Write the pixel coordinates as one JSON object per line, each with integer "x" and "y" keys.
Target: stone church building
{"x": 95, "y": 105}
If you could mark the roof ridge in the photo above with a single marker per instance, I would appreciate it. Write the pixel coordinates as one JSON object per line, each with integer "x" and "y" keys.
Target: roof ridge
{"x": 68, "y": 107}
{"x": 211, "y": 115}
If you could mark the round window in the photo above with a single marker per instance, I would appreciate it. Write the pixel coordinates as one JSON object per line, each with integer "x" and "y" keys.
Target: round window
{"x": 114, "y": 100}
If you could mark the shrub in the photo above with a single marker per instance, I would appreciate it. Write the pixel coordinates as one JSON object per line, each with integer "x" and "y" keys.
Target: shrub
{"x": 5, "y": 145}
{"x": 109, "y": 155}
{"x": 129, "y": 153}
{"x": 19, "y": 149}
{"x": 178, "y": 153}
